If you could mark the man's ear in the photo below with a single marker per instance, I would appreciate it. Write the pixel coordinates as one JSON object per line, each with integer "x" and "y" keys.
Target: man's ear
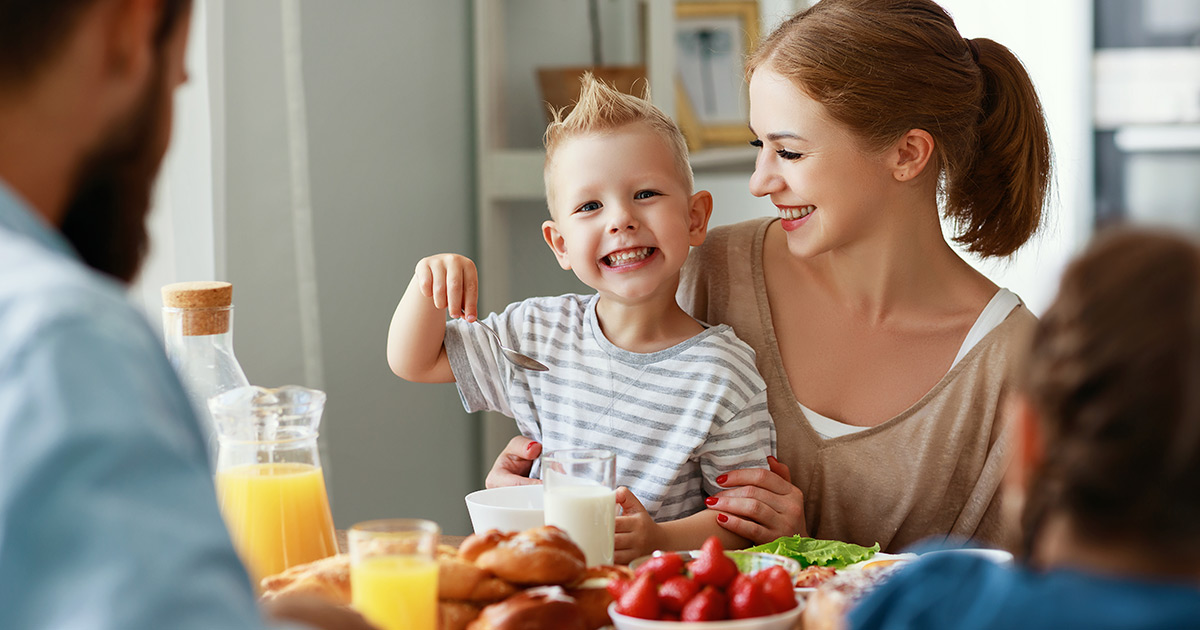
{"x": 129, "y": 49}
{"x": 700, "y": 208}
{"x": 557, "y": 243}
{"x": 910, "y": 154}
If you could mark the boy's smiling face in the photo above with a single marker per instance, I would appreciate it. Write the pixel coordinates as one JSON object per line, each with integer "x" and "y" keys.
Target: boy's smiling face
{"x": 623, "y": 217}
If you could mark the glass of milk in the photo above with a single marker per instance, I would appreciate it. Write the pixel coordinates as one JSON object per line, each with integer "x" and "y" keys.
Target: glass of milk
{"x": 581, "y": 498}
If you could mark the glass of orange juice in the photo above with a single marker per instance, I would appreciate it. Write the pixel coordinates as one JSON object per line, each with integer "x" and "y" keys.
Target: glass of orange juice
{"x": 394, "y": 571}
{"x": 269, "y": 480}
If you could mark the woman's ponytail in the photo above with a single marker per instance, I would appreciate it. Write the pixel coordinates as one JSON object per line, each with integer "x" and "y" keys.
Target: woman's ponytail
{"x": 998, "y": 197}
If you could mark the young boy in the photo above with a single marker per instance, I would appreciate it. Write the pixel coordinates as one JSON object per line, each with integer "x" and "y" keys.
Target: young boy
{"x": 629, "y": 371}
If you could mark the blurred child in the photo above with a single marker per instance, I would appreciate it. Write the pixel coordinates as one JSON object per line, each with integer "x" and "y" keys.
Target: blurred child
{"x": 678, "y": 401}
{"x": 1107, "y": 461}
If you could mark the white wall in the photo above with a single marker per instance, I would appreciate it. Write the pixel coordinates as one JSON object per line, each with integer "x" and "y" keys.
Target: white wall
{"x": 387, "y": 105}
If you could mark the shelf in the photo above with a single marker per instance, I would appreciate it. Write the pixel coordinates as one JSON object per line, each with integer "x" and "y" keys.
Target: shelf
{"x": 516, "y": 174}
{"x": 724, "y": 158}
{"x": 1158, "y": 138}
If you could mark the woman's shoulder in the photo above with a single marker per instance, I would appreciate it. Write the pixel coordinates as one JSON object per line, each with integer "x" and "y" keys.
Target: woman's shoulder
{"x": 721, "y": 270}
{"x": 741, "y": 234}
{"x": 723, "y": 246}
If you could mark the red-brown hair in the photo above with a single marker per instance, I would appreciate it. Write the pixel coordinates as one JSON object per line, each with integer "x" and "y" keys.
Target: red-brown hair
{"x": 1114, "y": 373}
{"x": 884, "y": 67}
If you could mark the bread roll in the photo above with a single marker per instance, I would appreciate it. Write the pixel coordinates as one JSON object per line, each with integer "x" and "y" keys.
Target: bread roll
{"x": 539, "y": 556}
{"x": 591, "y": 593}
{"x": 456, "y": 615}
{"x": 328, "y": 578}
{"x": 547, "y": 608}
{"x": 461, "y": 580}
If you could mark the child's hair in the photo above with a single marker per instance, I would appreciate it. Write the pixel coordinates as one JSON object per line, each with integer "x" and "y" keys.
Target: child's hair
{"x": 1114, "y": 373}
{"x": 884, "y": 67}
{"x": 602, "y": 108}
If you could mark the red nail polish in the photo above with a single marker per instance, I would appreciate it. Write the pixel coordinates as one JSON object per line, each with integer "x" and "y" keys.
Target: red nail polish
{"x": 531, "y": 446}
{"x": 721, "y": 480}
{"x": 710, "y": 501}
{"x": 772, "y": 458}
{"x": 721, "y": 518}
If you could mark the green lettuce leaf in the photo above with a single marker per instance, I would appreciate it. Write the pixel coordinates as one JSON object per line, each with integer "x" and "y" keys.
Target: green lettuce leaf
{"x": 824, "y": 553}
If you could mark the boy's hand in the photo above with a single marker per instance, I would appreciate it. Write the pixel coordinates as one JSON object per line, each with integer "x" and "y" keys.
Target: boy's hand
{"x": 637, "y": 534}
{"x": 452, "y": 282}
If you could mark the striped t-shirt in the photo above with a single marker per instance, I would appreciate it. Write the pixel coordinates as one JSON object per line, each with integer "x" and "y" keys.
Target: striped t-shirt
{"x": 676, "y": 419}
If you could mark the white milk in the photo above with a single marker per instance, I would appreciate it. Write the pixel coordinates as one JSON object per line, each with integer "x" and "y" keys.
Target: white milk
{"x": 589, "y": 516}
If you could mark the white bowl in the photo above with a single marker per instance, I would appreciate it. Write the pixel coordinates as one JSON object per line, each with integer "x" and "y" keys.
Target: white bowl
{"x": 511, "y": 509}
{"x": 999, "y": 556}
{"x": 779, "y": 621}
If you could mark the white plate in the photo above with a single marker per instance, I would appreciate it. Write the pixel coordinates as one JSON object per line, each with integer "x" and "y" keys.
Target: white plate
{"x": 999, "y": 556}
{"x": 805, "y": 591}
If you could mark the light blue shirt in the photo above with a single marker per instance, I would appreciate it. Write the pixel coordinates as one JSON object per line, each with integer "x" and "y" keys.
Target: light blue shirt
{"x": 108, "y": 516}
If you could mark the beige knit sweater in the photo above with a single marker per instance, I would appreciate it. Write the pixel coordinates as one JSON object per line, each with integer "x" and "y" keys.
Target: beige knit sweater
{"x": 934, "y": 470}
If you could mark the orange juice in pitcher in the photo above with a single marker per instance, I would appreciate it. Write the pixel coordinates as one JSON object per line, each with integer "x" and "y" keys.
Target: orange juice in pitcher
{"x": 277, "y": 514}
{"x": 269, "y": 482}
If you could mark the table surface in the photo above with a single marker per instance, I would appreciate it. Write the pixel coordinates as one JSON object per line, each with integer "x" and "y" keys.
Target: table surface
{"x": 453, "y": 541}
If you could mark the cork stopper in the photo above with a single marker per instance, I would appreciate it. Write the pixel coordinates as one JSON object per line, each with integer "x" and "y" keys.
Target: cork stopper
{"x": 205, "y": 305}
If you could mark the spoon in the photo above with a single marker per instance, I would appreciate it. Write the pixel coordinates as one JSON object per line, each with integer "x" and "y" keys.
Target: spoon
{"x": 514, "y": 357}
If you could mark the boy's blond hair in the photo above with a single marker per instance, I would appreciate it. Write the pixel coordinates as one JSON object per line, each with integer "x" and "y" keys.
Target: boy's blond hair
{"x": 603, "y": 108}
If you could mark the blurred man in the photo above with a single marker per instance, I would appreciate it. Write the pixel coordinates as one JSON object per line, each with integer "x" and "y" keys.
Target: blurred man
{"x": 108, "y": 517}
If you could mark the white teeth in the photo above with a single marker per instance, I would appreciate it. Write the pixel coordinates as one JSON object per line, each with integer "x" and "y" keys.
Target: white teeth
{"x": 628, "y": 256}
{"x": 792, "y": 214}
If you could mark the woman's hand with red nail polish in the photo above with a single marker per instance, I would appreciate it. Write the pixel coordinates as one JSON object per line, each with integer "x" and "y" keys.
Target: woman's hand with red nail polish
{"x": 761, "y": 505}
{"x": 514, "y": 463}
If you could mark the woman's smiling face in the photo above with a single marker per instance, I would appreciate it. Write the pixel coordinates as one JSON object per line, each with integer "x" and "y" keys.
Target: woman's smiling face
{"x": 829, "y": 190}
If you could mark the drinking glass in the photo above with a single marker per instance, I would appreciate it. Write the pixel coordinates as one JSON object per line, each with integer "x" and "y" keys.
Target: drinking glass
{"x": 581, "y": 498}
{"x": 394, "y": 571}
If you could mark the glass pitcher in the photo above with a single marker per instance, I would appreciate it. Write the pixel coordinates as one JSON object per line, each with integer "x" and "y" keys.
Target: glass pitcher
{"x": 269, "y": 480}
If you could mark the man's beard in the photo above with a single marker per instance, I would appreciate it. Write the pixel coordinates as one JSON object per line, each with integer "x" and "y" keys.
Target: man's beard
{"x": 105, "y": 217}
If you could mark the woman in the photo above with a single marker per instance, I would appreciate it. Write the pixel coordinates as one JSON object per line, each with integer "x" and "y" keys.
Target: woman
{"x": 887, "y": 357}
{"x": 1108, "y": 454}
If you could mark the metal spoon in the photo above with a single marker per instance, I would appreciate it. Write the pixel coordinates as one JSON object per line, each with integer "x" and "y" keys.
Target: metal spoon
{"x": 514, "y": 357}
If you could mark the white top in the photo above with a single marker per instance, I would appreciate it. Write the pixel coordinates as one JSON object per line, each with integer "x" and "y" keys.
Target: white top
{"x": 677, "y": 418}
{"x": 996, "y": 310}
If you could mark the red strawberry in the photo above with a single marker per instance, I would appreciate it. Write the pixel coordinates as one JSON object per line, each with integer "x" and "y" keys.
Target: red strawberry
{"x": 712, "y": 566}
{"x": 617, "y": 586}
{"x": 746, "y": 599}
{"x": 676, "y": 592}
{"x": 663, "y": 567}
{"x": 708, "y": 605}
{"x": 640, "y": 599}
{"x": 740, "y": 584}
{"x": 777, "y": 586}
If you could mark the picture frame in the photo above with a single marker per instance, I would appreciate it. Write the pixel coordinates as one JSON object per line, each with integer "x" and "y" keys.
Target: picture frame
{"x": 712, "y": 42}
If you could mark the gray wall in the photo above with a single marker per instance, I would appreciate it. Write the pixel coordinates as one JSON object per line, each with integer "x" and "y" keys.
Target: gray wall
{"x": 387, "y": 85}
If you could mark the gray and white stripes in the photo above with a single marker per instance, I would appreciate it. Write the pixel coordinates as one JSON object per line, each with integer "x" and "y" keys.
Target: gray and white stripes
{"x": 676, "y": 418}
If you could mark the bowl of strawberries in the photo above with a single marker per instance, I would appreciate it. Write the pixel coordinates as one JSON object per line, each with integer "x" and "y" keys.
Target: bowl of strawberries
{"x": 709, "y": 588}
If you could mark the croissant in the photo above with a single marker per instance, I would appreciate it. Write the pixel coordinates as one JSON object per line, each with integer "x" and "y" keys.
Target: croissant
{"x": 328, "y": 578}
{"x": 535, "y": 557}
